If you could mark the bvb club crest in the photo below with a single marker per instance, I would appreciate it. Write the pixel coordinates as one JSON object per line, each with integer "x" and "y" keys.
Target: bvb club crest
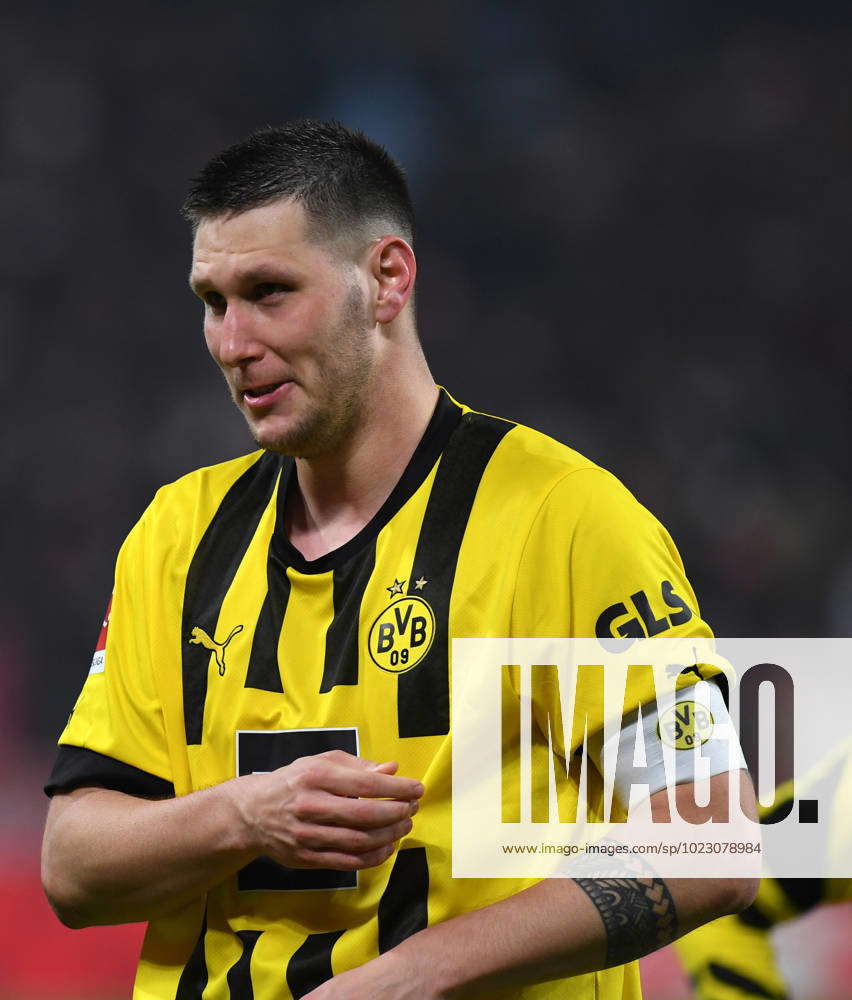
{"x": 401, "y": 635}
{"x": 685, "y": 725}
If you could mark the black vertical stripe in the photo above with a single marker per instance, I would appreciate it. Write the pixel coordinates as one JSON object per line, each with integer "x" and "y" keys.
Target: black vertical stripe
{"x": 753, "y": 916}
{"x": 263, "y": 672}
{"x": 403, "y": 906}
{"x": 193, "y": 979}
{"x": 211, "y": 574}
{"x": 310, "y": 965}
{"x": 341, "y": 639}
{"x": 423, "y": 694}
{"x": 803, "y": 893}
{"x": 239, "y": 975}
{"x": 744, "y": 984}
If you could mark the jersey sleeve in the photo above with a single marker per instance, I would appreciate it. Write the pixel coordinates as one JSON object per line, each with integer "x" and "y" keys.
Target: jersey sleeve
{"x": 597, "y": 563}
{"x": 115, "y": 737}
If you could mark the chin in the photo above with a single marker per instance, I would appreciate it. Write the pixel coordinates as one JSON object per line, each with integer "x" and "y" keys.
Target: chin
{"x": 305, "y": 440}
{"x": 270, "y": 441}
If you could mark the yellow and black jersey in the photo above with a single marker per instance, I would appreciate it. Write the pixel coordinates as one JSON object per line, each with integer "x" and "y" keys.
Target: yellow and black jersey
{"x": 227, "y": 652}
{"x": 733, "y": 958}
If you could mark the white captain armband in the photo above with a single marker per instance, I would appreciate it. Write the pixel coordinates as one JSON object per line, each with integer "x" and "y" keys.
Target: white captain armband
{"x": 696, "y": 725}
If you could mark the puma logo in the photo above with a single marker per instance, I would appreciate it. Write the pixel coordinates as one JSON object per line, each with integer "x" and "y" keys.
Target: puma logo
{"x": 201, "y": 638}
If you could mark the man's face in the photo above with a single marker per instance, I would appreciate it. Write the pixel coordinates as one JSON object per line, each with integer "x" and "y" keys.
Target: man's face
{"x": 285, "y": 318}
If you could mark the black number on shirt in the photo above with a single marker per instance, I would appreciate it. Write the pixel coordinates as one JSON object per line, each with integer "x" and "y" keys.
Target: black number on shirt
{"x": 267, "y": 751}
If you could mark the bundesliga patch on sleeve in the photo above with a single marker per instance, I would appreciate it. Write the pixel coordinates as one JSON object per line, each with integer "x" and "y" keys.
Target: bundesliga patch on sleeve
{"x": 99, "y": 659}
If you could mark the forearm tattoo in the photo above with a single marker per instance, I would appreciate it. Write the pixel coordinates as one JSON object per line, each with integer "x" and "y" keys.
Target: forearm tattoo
{"x": 638, "y": 914}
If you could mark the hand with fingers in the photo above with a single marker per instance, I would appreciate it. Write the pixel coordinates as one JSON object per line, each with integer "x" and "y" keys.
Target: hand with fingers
{"x": 331, "y": 810}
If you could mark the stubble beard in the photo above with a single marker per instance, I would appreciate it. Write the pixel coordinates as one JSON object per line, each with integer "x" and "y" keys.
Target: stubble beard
{"x": 345, "y": 368}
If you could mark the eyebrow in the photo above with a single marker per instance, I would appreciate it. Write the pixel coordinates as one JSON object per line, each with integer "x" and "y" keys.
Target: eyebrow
{"x": 256, "y": 275}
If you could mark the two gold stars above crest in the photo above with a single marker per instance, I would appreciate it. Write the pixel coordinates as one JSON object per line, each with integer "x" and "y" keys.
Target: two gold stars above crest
{"x": 397, "y": 585}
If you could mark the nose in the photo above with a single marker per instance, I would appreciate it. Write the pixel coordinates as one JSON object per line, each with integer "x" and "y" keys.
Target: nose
{"x": 235, "y": 343}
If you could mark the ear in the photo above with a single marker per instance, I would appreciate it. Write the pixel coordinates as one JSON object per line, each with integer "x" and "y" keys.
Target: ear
{"x": 393, "y": 268}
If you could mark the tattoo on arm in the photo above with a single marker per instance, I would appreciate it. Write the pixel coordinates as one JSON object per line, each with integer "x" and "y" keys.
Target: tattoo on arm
{"x": 638, "y": 914}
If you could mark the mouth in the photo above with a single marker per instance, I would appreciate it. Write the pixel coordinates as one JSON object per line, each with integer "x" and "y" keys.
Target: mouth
{"x": 260, "y": 396}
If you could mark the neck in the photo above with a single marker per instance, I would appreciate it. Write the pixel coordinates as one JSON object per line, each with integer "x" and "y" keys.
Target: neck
{"x": 340, "y": 492}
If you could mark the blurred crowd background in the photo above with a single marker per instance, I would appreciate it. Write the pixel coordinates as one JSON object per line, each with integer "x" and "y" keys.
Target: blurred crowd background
{"x": 634, "y": 231}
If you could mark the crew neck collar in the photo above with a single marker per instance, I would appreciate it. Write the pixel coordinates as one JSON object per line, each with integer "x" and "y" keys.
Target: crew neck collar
{"x": 443, "y": 422}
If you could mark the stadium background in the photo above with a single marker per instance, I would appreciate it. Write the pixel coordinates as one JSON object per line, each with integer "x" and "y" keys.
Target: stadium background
{"x": 634, "y": 234}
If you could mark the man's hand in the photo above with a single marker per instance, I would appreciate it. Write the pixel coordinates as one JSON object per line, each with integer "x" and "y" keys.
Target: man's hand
{"x": 112, "y": 858}
{"x": 331, "y": 810}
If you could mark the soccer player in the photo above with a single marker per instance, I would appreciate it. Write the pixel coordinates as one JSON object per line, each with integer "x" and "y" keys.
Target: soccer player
{"x": 733, "y": 958}
{"x": 269, "y": 704}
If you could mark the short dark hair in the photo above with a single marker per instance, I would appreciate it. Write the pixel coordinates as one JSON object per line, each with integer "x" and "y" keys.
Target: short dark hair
{"x": 343, "y": 179}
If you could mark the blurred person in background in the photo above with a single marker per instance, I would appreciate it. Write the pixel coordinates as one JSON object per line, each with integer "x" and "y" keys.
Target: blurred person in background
{"x": 734, "y": 958}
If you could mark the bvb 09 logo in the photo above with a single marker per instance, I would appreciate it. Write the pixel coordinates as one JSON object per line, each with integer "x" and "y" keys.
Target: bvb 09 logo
{"x": 401, "y": 635}
{"x": 686, "y": 725}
